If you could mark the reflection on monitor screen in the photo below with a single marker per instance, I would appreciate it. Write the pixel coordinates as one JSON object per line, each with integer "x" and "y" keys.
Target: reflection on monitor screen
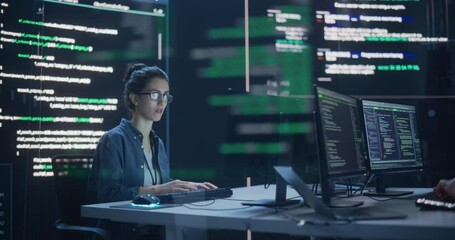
{"x": 341, "y": 142}
{"x": 393, "y": 141}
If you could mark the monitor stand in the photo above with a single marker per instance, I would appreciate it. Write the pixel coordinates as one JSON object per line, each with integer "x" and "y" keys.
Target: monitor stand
{"x": 280, "y": 197}
{"x": 381, "y": 191}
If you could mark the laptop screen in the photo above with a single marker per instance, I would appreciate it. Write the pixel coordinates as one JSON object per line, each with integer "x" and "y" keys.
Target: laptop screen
{"x": 288, "y": 174}
{"x": 369, "y": 213}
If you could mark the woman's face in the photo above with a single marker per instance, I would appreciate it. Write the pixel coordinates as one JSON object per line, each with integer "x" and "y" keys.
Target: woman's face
{"x": 152, "y": 109}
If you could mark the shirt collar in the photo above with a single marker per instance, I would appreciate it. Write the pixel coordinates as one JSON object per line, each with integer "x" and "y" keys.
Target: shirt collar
{"x": 127, "y": 124}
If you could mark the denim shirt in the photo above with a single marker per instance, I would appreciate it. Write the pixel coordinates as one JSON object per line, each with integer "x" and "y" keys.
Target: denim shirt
{"x": 117, "y": 172}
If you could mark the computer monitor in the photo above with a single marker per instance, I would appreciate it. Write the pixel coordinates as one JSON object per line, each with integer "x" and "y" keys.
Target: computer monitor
{"x": 392, "y": 140}
{"x": 340, "y": 139}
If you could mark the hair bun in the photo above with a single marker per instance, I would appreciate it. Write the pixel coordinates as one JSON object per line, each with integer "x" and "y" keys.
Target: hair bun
{"x": 132, "y": 67}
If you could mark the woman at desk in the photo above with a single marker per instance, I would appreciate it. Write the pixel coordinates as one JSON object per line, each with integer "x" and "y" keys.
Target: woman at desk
{"x": 130, "y": 158}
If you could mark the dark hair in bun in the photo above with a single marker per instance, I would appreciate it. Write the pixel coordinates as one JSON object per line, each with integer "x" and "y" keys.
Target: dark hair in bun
{"x": 137, "y": 76}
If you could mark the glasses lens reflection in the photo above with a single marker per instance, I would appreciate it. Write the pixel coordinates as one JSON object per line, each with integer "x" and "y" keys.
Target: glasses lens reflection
{"x": 157, "y": 96}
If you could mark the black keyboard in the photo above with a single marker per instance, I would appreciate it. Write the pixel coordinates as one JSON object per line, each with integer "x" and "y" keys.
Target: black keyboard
{"x": 195, "y": 196}
{"x": 434, "y": 204}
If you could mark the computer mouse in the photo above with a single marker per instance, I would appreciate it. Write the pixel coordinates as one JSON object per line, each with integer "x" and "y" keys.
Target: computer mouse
{"x": 145, "y": 199}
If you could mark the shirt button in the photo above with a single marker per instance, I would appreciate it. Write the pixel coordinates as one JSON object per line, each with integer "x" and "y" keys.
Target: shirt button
{"x": 142, "y": 166}
{"x": 142, "y": 146}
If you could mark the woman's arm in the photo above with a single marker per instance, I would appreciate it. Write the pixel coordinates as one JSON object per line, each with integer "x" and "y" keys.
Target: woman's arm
{"x": 111, "y": 183}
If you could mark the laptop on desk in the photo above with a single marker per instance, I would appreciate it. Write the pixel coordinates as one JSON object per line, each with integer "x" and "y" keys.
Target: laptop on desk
{"x": 363, "y": 213}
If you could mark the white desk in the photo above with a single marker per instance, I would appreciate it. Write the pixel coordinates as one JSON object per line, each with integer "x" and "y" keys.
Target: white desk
{"x": 228, "y": 214}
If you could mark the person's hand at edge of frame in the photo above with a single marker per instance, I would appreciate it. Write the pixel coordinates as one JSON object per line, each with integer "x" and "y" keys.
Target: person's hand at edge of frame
{"x": 445, "y": 189}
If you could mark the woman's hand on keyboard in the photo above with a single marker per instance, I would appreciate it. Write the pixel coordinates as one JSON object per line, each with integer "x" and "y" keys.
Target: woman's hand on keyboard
{"x": 176, "y": 186}
{"x": 204, "y": 185}
{"x": 169, "y": 187}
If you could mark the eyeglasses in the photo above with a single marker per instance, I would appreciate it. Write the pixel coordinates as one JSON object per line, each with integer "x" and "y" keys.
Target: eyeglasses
{"x": 158, "y": 97}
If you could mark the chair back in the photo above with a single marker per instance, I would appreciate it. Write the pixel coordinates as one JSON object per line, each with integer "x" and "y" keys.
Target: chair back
{"x": 71, "y": 172}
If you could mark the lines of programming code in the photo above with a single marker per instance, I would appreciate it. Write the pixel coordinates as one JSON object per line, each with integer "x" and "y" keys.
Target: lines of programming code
{"x": 342, "y": 134}
{"x": 279, "y": 55}
{"x": 76, "y": 164}
{"x": 61, "y": 70}
{"x": 61, "y": 77}
{"x": 257, "y": 103}
{"x": 364, "y": 45}
{"x": 392, "y": 135}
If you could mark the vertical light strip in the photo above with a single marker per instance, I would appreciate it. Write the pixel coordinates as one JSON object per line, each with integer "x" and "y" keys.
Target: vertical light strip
{"x": 247, "y": 50}
{"x": 248, "y": 184}
{"x": 447, "y": 22}
{"x": 160, "y": 46}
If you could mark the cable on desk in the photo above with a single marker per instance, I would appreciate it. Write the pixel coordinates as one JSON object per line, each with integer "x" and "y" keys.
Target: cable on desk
{"x": 268, "y": 179}
{"x": 249, "y": 200}
{"x": 314, "y": 188}
{"x": 236, "y": 199}
{"x": 203, "y": 205}
{"x": 301, "y": 204}
{"x": 381, "y": 200}
{"x": 348, "y": 184}
{"x": 359, "y": 190}
{"x": 298, "y": 196}
{"x": 367, "y": 181}
{"x": 214, "y": 209}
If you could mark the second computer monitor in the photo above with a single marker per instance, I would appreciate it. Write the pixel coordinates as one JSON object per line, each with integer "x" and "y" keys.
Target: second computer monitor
{"x": 392, "y": 136}
{"x": 393, "y": 141}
